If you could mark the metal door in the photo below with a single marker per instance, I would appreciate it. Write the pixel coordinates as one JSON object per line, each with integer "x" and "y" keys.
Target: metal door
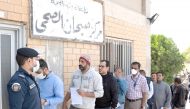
{"x": 7, "y": 63}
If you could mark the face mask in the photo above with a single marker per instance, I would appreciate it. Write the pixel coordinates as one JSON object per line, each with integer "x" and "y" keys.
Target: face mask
{"x": 35, "y": 69}
{"x": 40, "y": 76}
{"x": 133, "y": 71}
{"x": 114, "y": 75}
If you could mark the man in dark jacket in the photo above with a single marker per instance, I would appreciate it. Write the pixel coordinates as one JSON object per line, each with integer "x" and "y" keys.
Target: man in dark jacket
{"x": 110, "y": 97}
{"x": 179, "y": 95}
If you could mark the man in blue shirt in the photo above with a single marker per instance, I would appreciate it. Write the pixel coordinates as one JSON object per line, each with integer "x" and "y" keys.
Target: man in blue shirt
{"x": 22, "y": 88}
{"x": 122, "y": 87}
{"x": 51, "y": 87}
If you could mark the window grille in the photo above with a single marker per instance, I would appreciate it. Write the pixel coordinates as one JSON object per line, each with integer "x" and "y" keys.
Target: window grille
{"x": 118, "y": 52}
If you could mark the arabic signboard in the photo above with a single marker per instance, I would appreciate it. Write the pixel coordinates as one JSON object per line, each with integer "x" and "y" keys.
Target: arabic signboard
{"x": 80, "y": 20}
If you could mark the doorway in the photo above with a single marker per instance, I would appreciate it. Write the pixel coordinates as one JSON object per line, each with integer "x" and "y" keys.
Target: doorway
{"x": 10, "y": 39}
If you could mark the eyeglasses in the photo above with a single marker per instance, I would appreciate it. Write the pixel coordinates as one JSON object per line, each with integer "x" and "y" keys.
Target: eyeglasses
{"x": 101, "y": 66}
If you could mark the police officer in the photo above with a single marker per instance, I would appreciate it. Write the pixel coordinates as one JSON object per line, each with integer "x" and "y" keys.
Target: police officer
{"x": 22, "y": 88}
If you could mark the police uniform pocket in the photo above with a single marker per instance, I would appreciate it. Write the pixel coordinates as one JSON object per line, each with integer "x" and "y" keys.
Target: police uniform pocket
{"x": 33, "y": 89}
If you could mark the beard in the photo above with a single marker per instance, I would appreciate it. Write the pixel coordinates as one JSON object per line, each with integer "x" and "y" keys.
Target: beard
{"x": 82, "y": 68}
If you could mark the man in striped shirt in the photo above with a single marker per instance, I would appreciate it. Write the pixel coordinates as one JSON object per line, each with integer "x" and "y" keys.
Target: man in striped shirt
{"x": 136, "y": 95}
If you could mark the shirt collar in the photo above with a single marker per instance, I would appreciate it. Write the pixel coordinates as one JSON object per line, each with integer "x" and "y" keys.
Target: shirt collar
{"x": 49, "y": 75}
{"x": 23, "y": 71}
{"x": 136, "y": 76}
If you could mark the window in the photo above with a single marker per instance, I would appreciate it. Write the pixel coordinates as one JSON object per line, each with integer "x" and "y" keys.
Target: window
{"x": 118, "y": 52}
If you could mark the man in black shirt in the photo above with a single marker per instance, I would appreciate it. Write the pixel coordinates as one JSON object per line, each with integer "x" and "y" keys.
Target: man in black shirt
{"x": 179, "y": 94}
{"x": 110, "y": 97}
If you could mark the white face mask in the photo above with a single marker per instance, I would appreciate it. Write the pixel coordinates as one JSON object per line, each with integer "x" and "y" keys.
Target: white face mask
{"x": 40, "y": 76}
{"x": 133, "y": 71}
{"x": 35, "y": 69}
{"x": 114, "y": 74}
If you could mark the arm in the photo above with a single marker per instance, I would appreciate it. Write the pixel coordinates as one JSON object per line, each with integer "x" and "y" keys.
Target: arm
{"x": 168, "y": 96}
{"x": 123, "y": 85}
{"x": 15, "y": 103}
{"x": 58, "y": 90}
{"x": 98, "y": 89}
{"x": 86, "y": 94}
{"x": 144, "y": 99}
{"x": 181, "y": 97}
{"x": 98, "y": 86}
{"x": 151, "y": 91}
{"x": 144, "y": 92}
{"x": 114, "y": 93}
{"x": 67, "y": 97}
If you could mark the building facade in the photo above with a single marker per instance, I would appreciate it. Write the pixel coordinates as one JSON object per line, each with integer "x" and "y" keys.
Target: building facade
{"x": 124, "y": 36}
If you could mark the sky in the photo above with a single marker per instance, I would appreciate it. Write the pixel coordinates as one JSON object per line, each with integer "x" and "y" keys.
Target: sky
{"x": 173, "y": 21}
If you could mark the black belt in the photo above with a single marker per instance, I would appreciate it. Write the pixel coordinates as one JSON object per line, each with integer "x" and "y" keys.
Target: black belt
{"x": 133, "y": 100}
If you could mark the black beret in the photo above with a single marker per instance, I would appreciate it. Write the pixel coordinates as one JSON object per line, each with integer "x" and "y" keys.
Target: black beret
{"x": 27, "y": 52}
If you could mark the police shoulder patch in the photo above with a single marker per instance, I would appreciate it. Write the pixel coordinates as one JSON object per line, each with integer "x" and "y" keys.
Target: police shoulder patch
{"x": 16, "y": 87}
{"x": 22, "y": 76}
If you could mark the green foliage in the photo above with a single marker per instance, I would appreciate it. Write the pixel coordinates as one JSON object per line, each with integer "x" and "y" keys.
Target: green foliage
{"x": 186, "y": 54}
{"x": 165, "y": 57}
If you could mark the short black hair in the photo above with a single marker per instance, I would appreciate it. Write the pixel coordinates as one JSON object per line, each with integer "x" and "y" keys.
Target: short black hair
{"x": 136, "y": 63}
{"x": 43, "y": 63}
{"x": 142, "y": 71}
{"x": 20, "y": 59}
{"x": 160, "y": 72}
{"x": 107, "y": 62}
{"x": 177, "y": 80}
{"x": 153, "y": 73}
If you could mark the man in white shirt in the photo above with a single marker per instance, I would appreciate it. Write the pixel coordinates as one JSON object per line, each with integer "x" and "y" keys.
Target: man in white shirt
{"x": 150, "y": 86}
{"x": 89, "y": 85}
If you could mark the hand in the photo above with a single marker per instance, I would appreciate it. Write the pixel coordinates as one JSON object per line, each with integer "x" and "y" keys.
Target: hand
{"x": 81, "y": 93}
{"x": 64, "y": 106}
{"x": 43, "y": 101}
{"x": 142, "y": 107}
{"x": 165, "y": 108}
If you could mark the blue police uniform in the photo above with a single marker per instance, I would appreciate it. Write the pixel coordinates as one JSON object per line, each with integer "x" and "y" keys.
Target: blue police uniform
{"x": 23, "y": 91}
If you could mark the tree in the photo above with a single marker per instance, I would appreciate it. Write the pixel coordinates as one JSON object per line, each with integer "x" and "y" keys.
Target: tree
{"x": 165, "y": 57}
{"x": 186, "y": 54}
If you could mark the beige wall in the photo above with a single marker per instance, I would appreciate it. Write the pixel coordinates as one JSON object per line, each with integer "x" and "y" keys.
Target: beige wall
{"x": 140, "y": 6}
{"x": 123, "y": 23}
{"x": 14, "y": 10}
{"x": 120, "y": 22}
{"x": 135, "y": 5}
